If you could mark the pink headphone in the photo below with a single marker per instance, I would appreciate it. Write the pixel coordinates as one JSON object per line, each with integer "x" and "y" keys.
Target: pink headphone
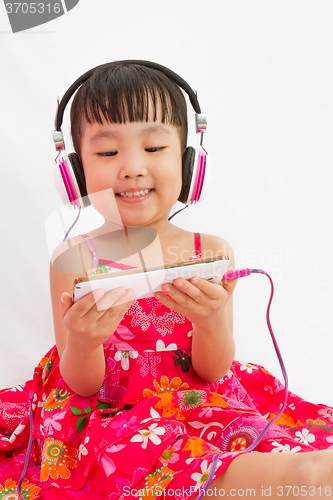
{"x": 69, "y": 175}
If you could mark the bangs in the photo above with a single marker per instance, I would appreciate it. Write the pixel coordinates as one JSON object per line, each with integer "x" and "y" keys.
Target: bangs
{"x": 125, "y": 98}
{"x": 120, "y": 94}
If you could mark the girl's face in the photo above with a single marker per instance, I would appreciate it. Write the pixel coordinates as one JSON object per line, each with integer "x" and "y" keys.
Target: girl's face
{"x": 140, "y": 161}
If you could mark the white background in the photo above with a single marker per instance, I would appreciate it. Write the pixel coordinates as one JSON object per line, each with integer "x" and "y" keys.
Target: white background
{"x": 264, "y": 75}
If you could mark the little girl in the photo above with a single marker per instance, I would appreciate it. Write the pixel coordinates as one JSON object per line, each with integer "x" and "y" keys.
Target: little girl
{"x": 142, "y": 398}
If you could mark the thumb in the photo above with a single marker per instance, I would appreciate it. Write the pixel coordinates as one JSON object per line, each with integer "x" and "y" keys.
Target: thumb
{"x": 229, "y": 284}
{"x": 66, "y": 302}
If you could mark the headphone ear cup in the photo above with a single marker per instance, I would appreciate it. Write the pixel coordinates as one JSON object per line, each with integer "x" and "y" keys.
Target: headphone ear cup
{"x": 187, "y": 173}
{"x": 79, "y": 175}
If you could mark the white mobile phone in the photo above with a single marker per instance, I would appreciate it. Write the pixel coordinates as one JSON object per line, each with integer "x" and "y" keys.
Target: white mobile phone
{"x": 146, "y": 281}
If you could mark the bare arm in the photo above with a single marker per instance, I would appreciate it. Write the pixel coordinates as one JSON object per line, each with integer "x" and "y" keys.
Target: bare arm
{"x": 209, "y": 307}
{"x": 81, "y": 329}
{"x": 213, "y": 347}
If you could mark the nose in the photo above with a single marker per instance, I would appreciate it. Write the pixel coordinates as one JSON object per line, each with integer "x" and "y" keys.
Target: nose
{"x": 132, "y": 165}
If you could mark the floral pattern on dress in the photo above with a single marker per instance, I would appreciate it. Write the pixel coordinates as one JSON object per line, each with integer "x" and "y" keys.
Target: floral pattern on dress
{"x": 163, "y": 323}
{"x": 124, "y": 356}
{"x": 151, "y": 434}
{"x": 156, "y": 482}
{"x": 57, "y": 399}
{"x": 240, "y": 439}
{"x": 171, "y": 455}
{"x": 46, "y": 365}
{"x": 202, "y": 476}
{"x": 327, "y": 413}
{"x": 9, "y": 490}
{"x": 182, "y": 359}
{"x": 188, "y": 400}
{"x": 57, "y": 459}
{"x": 148, "y": 362}
{"x": 176, "y": 384}
{"x": 154, "y": 425}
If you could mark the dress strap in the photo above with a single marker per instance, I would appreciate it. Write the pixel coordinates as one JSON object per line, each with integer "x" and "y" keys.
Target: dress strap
{"x": 116, "y": 265}
{"x": 96, "y": 262}
{"x": 197, "y": 246}
{"x": 93, "y": 252}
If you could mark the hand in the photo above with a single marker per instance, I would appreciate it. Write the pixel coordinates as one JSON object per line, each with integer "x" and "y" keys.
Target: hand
{"x": 94, "y": 318}
{"x": 201, "y": 302}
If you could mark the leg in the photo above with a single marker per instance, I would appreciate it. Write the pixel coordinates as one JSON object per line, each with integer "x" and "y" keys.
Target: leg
{"x": 277, "y": 475}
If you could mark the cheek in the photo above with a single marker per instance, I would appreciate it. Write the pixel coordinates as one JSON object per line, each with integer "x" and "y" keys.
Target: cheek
{"x": 180, "y": 173}
{"x": 96, "y": 180}
{"x": 174, "y": 182}
{"x": 100, "y": 192}
{"x": 172, "y": 176}
{"x": 101, "y": 197}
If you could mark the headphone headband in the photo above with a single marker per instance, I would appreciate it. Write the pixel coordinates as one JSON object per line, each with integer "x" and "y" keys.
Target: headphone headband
{"x": 201, "y": 120}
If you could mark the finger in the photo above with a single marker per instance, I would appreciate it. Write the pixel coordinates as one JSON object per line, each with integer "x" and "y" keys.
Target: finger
{"x": 127, "y": 298}
{"x": 170, "y": 303}
{"x": 98, "y": 301}
{"x": 229, "y": 285}
{"x": 208, "y": 289}
{"x": 180, "y": 296}
{"x": 181, "y": 301}
{"x": 66, "y": 302}
{"x": 115, "y": 297}
{"x": 81, "y": 307}
{"x": 184, "y": 292}
{"x": 116, "y": 312}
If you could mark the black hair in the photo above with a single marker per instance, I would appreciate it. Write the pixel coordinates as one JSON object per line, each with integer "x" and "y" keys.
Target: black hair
{"x": 123, "y": 93}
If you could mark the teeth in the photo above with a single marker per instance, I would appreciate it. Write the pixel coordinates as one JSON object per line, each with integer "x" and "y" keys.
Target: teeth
{"x": 136, "y": 193}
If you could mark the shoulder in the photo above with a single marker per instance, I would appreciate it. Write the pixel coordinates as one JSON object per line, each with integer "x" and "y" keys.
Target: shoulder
{"x": 213, "y": 246}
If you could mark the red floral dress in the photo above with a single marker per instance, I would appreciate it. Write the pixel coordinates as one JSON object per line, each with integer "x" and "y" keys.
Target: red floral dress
{"x": 154, "y": 428}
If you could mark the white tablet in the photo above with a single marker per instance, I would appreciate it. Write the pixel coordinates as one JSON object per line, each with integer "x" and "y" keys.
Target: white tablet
{"x": 146, "y": 281}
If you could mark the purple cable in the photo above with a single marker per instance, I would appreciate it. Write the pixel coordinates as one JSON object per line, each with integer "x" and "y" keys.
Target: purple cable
{"x": 229, "y": 275}
{"x": 232, "y": 275}
{"x": 28, "y": 449}
{"x": 69, "y": 230}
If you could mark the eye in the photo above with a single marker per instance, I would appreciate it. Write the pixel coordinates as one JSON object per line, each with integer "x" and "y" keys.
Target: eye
{"x": 108, "y": 153}
{"x": 154, "y": 150}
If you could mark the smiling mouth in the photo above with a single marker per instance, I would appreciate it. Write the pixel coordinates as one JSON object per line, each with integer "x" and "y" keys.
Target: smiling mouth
{"x": 135, "y": 194}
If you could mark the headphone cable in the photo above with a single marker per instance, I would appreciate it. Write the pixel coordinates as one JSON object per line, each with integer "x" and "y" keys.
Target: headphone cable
{"x": 180, "y": 210}
{"x": 232, "y": 275}
{"x": 19, "y": 485}
{"x": 74, "y": 223}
